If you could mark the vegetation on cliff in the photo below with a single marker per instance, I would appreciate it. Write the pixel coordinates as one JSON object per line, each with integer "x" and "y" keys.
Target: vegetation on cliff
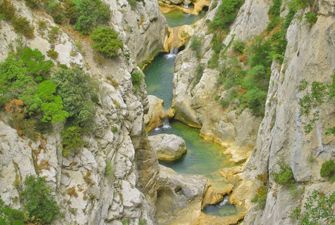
{"x": 36, "y": 95}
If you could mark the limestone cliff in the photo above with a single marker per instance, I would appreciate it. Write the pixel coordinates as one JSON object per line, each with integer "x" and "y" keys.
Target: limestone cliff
{"x": 280, "y": 137}
{"x": 87, "y": 195}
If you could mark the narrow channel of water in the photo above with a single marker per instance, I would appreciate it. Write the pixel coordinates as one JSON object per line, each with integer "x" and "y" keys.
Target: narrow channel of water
{"x": 202, "y": 158}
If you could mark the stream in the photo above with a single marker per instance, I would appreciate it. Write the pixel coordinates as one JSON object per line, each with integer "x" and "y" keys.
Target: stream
{"x": 203, "y": 157}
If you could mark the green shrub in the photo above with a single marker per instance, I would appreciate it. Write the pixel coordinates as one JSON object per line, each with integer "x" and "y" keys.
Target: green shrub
{"x": 137, "y": 79}
{"x": 47, "y": 102}
{"x": 133, "y": 3}
{"x": 72, "y": 141}
{"x": 311, "y": 17}
{"x": 198, "y": 74}
{"x": 239, "y": 46}
{"x": 78, "y": 93}
{"x": 143, "y": 222}
{"x": 196, "y": 46}
{"x": 23, "y": 26}
{"x": 52, "y": 53}
{"x": 108, "y": 169}
{"x": 260, "y": 197}
{"x": 225, "y": 14}
{"x": 90, "y": 14}
{"x": 10, "y": 216}
{"x": 38, "y": 201}
{"x": 7, "y": 10}
{"x": 284, "y": 176}
{"x": 328, "y": 169}
{"x": 213, "y": 62}
{"x": 318, "y": 209}
{"x": 106, "y": 41}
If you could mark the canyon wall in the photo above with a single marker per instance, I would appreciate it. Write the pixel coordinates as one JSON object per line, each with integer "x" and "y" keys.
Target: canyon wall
{"x": 86, "y": 193}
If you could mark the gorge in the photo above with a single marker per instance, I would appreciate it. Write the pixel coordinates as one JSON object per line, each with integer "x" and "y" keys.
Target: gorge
{"x": 167, "y": 112}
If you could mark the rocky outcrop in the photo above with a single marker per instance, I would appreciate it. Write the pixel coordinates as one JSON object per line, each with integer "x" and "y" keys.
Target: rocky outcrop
{"x": 169, "y": 147}
{"x": 179, "y": 197}
{"x": 142, "y": 29}
{"x": 87, "y": 192}
{"x": 154, "y": 117}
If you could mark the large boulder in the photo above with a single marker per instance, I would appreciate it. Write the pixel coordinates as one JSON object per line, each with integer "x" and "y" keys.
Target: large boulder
{"x": 179, "y": 197}
{"x": 169, "y": 147}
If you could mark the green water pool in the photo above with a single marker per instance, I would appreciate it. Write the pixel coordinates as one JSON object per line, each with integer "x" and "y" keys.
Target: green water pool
{"x": 203, "y": 157}
{"x": 178, "y": 18}
{"x": 159, "y": 76}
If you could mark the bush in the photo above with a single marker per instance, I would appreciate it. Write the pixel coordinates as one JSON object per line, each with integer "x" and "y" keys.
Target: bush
{"x": 225, "y": 14}
{"x": 196, "y": 46}
{"x": 106, "y": 41}
{"x": 318, "y": 209}
{"x": 90, "y": 14}
{"x": 22, "y": 25}
{"x": 72, "y": 141}
{"x": 38, "y": 201}
{"x": 328, "y": 169}
{"x": 133, "y": 3}
{"x": 10, "y": 216}
{"x": 136, "y": 79}
{"x": 311, "y": 17}
{"x": 78, "y": 93}
{"x": 7, "y": 10}
{"x": 284, "y": 176}
{"x": 260, "y": 197}
{"x": 239, "y": 46}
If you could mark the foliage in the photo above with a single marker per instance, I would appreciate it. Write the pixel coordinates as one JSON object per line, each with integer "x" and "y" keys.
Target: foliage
{"x": 133, "y": 3}
{"x": 106, "y": 41}
{"x": 225, "y": 14}
{"x": 78, "y": 93}
{"x": 260, "y": 197}
{"x": 328, "y": 169}
{"x": 52, "y": 54}
{"x": 38, "y": 201}
{"x": 213, "y": 62}
{"x": 136, "y": 79}
{"x": 72, "y": 140}
{"x": 7, "y": 10}
{"x": 90, "y": 14}
{"x": 284, "y": 176}
{"x": 198, "y": 74}
{"x": 239, "y": 46}
{"x": 10, "y": 216}
{"x": 21, "y": 24}
{"x": 109, "y": 169}
{"x": 196, "y": 46}
{"x": 46, "y": 101}
{"x": 311, "y": 17}
{"x": 143, "y": 222}
{"x": 318, "y": 209}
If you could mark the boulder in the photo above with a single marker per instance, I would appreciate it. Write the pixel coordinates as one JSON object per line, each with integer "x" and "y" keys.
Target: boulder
{"x": 179, "y": 197}
{"x": 168, "y": 147}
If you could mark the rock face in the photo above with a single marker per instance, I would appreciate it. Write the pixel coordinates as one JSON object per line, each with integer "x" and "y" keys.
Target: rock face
{"x": 179, "y": 197}
{"x": 194, "y": 97}
{"x": 86, "y": 192}
{"x": 310, "y": 56}
{"x": 169, "y": 147}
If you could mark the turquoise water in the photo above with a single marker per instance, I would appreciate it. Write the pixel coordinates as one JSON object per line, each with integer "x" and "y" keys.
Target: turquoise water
{"x": 202, "y": 158}
{"x": 178, "y": 18}
{"x": 159, "y": 76}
